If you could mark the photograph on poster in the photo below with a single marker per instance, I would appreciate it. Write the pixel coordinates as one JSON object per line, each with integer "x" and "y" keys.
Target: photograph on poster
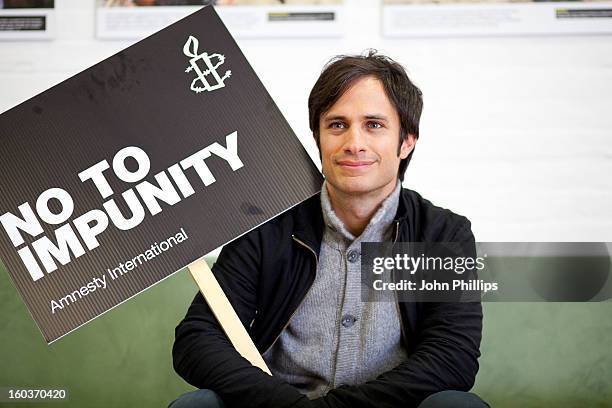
{"x": 10, "y": 4}
{"x": 406, "y": 18}
{"x": 133, "y": 3}
{"x": 26, "y": 19}
{"x": 135, "y": 19}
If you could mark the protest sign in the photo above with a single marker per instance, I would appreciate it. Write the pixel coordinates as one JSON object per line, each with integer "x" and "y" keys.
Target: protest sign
{"x": 138, "y": 166}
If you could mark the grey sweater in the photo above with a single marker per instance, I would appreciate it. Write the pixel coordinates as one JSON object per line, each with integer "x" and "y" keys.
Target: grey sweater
{"x": 334, "y": 337}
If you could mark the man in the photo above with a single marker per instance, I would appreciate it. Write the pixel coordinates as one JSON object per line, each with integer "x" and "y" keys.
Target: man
{"x": 295, "y": 281}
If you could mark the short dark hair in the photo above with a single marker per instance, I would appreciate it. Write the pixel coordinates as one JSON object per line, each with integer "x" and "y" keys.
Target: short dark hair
{"x": 341, "y": 72}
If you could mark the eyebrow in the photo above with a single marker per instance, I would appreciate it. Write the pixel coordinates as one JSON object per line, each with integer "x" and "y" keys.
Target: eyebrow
{"x": 374, "y": 116}
{"x": 377, "y": 117}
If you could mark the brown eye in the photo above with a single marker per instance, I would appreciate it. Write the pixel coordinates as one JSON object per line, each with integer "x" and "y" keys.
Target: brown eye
{"x": 374, "y": 125}
{"x": 336, "y": 125}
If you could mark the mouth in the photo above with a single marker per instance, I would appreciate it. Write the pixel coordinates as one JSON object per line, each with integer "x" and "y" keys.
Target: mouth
{"x": 354, "y": 164}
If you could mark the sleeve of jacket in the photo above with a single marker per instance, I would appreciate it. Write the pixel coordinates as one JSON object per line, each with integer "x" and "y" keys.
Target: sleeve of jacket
{"x": 445, "y": 357}
{"x": 202, "y": 353}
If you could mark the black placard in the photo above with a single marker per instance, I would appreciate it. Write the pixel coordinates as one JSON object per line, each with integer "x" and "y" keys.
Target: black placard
{"x": 222, "y": 160}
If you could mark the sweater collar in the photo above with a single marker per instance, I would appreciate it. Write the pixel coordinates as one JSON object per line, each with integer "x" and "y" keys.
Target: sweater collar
{"x": 377, "y": 226}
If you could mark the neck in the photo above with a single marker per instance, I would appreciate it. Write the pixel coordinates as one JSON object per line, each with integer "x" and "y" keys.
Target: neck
{"x": 356, "y": 210}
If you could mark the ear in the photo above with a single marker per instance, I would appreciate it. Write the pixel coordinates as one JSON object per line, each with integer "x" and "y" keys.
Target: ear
{"x": 407, "y": 145}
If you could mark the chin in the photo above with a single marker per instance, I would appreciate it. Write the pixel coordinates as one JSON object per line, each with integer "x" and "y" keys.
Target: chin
{"x": 354, "y": 186}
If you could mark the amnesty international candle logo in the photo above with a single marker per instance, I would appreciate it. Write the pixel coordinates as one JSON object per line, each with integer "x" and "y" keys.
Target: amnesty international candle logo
{"x": 108, "y": 188}
{"x": 191, "y": 50}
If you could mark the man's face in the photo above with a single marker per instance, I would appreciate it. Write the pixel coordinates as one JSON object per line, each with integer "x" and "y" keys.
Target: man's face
{"x": 359, "y": 137}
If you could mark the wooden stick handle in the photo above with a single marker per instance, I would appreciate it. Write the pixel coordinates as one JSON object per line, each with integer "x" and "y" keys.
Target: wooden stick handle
{"x": 225, "y": 313}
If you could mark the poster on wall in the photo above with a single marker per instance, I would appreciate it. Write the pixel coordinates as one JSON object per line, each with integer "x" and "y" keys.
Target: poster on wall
{"x": 27, "y": 19}
{"x": 437, "y": 18}
{"x": 136, "y": 19}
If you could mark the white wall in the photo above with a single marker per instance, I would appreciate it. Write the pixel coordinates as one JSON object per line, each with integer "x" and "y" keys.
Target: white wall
{"x": 516, "y": 133}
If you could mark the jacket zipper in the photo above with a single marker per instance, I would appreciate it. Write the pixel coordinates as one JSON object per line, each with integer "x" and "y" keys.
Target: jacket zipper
{"x": 305, "y": 294}
{"x": 399, "y": 311}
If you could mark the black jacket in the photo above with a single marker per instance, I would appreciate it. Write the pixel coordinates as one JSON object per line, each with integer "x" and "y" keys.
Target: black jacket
{"x": 266, "y": 274}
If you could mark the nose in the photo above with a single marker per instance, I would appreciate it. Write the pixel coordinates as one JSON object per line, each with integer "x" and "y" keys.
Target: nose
{"x": 355, "y": 141}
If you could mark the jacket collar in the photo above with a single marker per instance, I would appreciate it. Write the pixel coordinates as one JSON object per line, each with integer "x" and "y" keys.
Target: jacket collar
{"x": 406, "y": 216}
{"x": 308, "y": 222}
